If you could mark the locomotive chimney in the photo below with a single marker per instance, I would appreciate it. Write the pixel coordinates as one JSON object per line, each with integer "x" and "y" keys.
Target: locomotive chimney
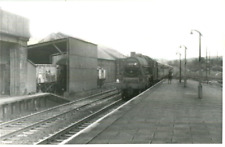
{"x": 132, "y": 54}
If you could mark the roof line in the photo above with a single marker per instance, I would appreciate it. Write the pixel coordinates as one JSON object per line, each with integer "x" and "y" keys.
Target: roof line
{"x": 46, "y": 43}
{"x": 55, "y": 41}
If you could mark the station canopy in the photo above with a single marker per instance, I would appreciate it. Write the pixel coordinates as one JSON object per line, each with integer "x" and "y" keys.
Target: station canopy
{"x": 41, "y": 53}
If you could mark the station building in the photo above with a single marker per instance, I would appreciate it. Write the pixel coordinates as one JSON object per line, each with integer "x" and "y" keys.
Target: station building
{"x": 79, "y": 60}
{"x": 76, "y": 58}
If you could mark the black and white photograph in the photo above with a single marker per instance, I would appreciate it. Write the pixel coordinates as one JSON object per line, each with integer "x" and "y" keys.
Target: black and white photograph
{"x": 111, "y": 72}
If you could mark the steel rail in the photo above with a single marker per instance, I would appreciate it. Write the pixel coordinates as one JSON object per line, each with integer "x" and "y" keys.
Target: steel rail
{"x": 49, "y": 119}
{"x": 75, "y": 125}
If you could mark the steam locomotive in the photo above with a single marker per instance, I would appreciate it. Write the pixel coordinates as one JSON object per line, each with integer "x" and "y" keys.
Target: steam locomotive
{"x": 139, "y": 73}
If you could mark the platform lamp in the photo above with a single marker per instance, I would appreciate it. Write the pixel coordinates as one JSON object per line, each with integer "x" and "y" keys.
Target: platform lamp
{"x": 200, "y": 73}
{"x": 185, "y": 63}
{"x": 180, "y": 65}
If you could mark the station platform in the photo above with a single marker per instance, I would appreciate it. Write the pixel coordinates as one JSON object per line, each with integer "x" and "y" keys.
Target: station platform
{"x": 13, "y": 99}
{"x": 165, "y": 114}
{"x": 12, "y": 107}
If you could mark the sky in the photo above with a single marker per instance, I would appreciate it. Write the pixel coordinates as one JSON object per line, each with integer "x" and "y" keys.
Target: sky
{"x": 151, "y": 27}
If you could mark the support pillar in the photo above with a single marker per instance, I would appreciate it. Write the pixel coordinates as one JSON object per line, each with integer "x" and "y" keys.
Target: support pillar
{"x": 14, "y": 34}
{"x": 18, "y": 68}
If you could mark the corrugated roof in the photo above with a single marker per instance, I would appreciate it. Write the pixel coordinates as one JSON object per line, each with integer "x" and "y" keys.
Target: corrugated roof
{"x": 103, "y": 52}
{"x": 103, "y": 55}
{"x": 59, "y": 35}
{"x": 54, "y": 36}
{"x": 108, "y": 53}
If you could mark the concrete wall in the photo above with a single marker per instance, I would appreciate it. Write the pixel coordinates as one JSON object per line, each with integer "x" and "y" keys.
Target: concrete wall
{"x": 13, "y": 26}
{"x": 82, "y": 65}
{"x": 18, "y": 70}
{"x": 110, "y": 67}
{"x": 14, "y": 34}
{"x": 13, "y": 64}
{"x": 4, "y": 69}
{"x": 31, "y": 78}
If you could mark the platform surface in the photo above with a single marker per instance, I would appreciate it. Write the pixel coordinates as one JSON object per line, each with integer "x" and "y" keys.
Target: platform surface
{"x": 12, "y": 99}
{"x": 168, "y": 113}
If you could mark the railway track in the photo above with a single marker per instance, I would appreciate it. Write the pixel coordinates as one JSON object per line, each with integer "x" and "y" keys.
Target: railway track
{"x": 45, "y": 123}
{"x": 67, "y": 132}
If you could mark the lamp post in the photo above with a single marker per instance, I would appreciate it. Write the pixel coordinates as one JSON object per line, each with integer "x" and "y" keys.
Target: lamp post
{"x": 185, "y": 63}
{"x": 200, "y": 73}
{"x": 180, "y": 65}
{"x": 209, "y": 64}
